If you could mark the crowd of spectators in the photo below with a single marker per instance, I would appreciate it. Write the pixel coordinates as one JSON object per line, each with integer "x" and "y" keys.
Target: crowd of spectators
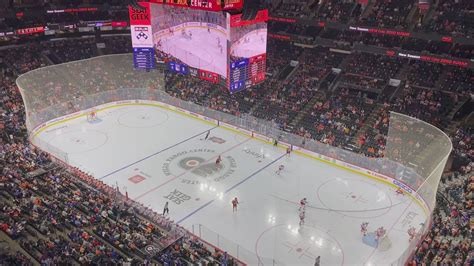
{"x": 283, "y": 57}
{"x": 376, "y": 66}
{"x": 292, "y": 8}
{"x": 447, "y": 17}
{"x": 452, "y": 17}
{"x": 457, "y": 80}
{"x": 449, "y": 241}
{"x": 335, "y": 118}
{"x": 388, "y": 14}
{"x": 338, "y": 10}
{"x": 66, "y": 51}
{"x": 118, "y": 44}
{"x": 424, "y": 74}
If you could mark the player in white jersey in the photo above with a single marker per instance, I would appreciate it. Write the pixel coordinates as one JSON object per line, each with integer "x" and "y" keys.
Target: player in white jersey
{"x": 280, "y": 168}
{"x": 411, "y": 233}
{"x": 363, "y": 228}
{"x": 302, "y": 215}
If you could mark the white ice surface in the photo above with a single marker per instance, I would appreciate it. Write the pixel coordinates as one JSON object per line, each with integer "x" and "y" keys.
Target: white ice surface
{"x": 167, "y": 151}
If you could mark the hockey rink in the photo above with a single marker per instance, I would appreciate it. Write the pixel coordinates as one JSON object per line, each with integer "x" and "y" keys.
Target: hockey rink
{"x": 159, "y": 156}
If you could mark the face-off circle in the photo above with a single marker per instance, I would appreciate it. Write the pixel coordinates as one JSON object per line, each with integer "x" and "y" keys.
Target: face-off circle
{"x": 300, "y": 246}
{"x": 75, "y": 142}
{"x": 354, "y": 198}
{"x": 199, "y": 166}
{"x": 190, "y": 162}
{"x": 141, "y": 118}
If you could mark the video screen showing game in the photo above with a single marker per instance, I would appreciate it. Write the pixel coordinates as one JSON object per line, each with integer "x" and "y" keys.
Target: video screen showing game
{"x": 248, "y": 48}
{"x": 191, "y": 41}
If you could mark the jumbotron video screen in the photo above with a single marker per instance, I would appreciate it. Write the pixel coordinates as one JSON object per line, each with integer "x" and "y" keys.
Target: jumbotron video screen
{"x": 203, "y": 42}
{"x": 191, "y": 41}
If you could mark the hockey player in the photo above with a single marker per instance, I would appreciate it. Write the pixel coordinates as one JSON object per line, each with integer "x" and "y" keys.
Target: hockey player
{"x": 280, "y": 168}
{"x": 363, "y": 228}
{"x": 302, "y": 215}
{"x": 165, "y": 209}
{"x": 380, "y": 233}
{"x": 218, "y": 160}
{"x": 235, "y": 202}
{"x": 411, "y": 233}
{"x": 303, "y": 204}
{"x": 317, "y": 261}
{"x": 399, "y": 191}
{"x": 288, "y": 151}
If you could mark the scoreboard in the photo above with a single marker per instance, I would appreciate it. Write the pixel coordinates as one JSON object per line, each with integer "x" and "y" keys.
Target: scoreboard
{"x": 178, "y": 68}
{"x": 144, "y": 58}
{"x": 247, "y": 72}
{"x": 184, "y": 69}
{"x": 142, "y": 39}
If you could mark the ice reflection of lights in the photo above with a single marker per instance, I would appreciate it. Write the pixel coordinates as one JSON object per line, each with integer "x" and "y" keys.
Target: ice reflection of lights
{"x": 271, "y": 219}
{"x": 203, "y": 187}
{"x": 293, "y": 230}
{"x": 381, "y": 196}
{"x": 319, "y": 242}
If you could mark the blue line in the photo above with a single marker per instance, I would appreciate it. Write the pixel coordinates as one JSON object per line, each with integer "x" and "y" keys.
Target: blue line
{"x": 200, "y": 208}
{"x": 156, "y": 153}
{"x": 234, "y": 186}
{"x": 258, "y": 171}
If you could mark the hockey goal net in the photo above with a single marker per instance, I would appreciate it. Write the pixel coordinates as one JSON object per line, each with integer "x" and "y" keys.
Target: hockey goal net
{"x": 92, "y": 116}
{"x": 384, "y": 243}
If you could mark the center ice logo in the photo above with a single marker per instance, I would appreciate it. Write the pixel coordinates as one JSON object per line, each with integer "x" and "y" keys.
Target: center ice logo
{"x": 199, "y": 166}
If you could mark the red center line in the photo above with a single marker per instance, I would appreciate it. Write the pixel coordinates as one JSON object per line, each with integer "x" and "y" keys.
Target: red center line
{"x": 189, "y": 170}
